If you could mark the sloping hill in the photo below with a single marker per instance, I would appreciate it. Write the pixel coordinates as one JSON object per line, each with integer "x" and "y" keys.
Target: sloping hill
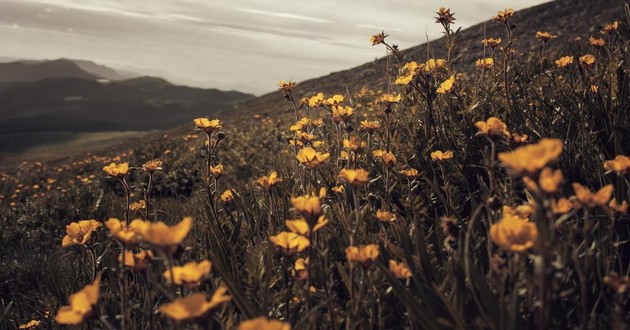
{"x": 25, "y": 71}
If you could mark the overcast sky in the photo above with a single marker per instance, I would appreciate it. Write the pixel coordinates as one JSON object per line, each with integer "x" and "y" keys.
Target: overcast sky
{"x": 246, "y": 45}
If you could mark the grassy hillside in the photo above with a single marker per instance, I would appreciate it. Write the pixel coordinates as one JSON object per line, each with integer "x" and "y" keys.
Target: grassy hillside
{"x": 415, "y": 192}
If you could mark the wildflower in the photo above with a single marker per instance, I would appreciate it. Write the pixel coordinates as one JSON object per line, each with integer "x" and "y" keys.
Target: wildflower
{"x": 385, "y": 216}
{"x": 81, "y": 305}
{"x": 589, "y": 199}
{"x": 503, "y": 16}
{"x": 316, "y": 100}
{"x": 379, "y": 38}
{"x": 596, "y": 42}
{"x": 300, "y": 226}
{"x": 438, "y": 155}
{"x": 307, "y": 206}
{"x": 564, "y": 61}
{"x": 216, "y": 171}
{"x": 619, "y": 165}
{"x": 30, "y": 325}
{"x": 334, "y": 101}
{"x": 286, "y": 86}
{"x": 300, "y": 268}
{"x": 545, "y": 36}
{"x": 370, "y": 126}
{"x": 530, "y": 159}
{"x": 117, "y": 170}
{"x": 389, "y": 99}
{"x": 354, "y": 144}
{"x": 550, "y": 180}
{"x": 342, "y": 113}
{"x": 138, "y": 206}
{"x": 266, "y": 182}
{"x": 444, "y": 16}
{"x": 447, "y": 85}
{"x": 389, "y": 160}
{"x": 290, "y": 243}
{"x": 195, "y": 305}
{"x": 78, "y": 233}
{"x": 262, "y": 323}
{"x": 513, "y": 233}
{"x": 356, "y": 177}
{"x": 594, "y": 88}
{"x": 400, "y": 269}
{"x": 206, "y": 125}
{"x": 152, "y": 165}
{"x": 610, "y": 28}
{"x": 317, "y": 122}
{"x": 311, "y": 158}
{"x": 491, "y": 42}
{"x": 494, "y": 127}
{"x": 434, "y": 64}
{"x": 137, "y": 261}
{"x": 587, "y": 61}
{"x": 408, "y": 72}
{"x": 363, "y": 254}
{"x": 410, "y": 173}
{"x": 619, "y": 208}
{"x": 227, "y": 197}
{"x": 299, "y": 125}
{"x": 484, "y": 63}
{"x": 189, "y": 274}
{"x": 122, "y": 233}
{"x": 161, "y": 235}
{"x": 561, "y": 206}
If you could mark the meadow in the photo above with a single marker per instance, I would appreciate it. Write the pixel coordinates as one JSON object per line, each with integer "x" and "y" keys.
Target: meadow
{"x": 493, "y": 196}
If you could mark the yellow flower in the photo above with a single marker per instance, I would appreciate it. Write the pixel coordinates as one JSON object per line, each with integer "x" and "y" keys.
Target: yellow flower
{"x": 513, "y": 233}
{"x": 363, "y": 254}
{"x": 81, "y": 305}
{"x": 441, "y": 156}
{"x": 307, "y": 206}
{"x": 189, "y": 274}
{"x": 561, "y": 206}
{"x": 610, "y": 28}
{"x": 619, "y": 165}
{"x": 619, "y": 208}
{"x": 354, "y": 144}
{"x": 447, "y": 85}
{"x": 493, "y": 127}
{"x": 408, "y": 72}
{"x": 124, "y": 234}
{"x": 216, "y": 171}
{"x": 378, "y": 39}
{"x": 549, "y": 180}
{"x": 545, "y": 36}
{"x": 389, "y": 99}
{"x": 138, "y": 206}
{"x": 484, "y": 63}
{"x": 412, "y": 172}
{"x": 262, "y": 323}
{"x": 587, "y": 198}
{"x": 491, "y": 42}
{"x": 356, "y": 177}
{"x": 370, "y": 126}
{"x": 206, "y": 125}
{"x": 299, "y": 125}
{"x": 116, "y": 170}
{"x": 385, "y": 216}
{"x": 400, "y": 269}
{"x": 564, "y": 61}
{"x": 300, "y": 269}
{"x": 587, "y": 60}
{"x": 444, "y": 16}
{"x": 300, "y": 226}
{"x": 290, "y": 243}
{"x": 227, "y": 197}
{"x": 137, "y": 261}
{"x": 161, "y": 235}
{"x": 30, "y": 325}
{"x": 434, "y": 64}
{"x": 266, "y": 182}
{"x": 195, "y": 305}
{"x": 339, "y": 189}
{"x": 153, "y": 165}
{"x": 333, "y": 101}
{"x": 311, "y": 158}
{"x": 286, "y": 86}
{"x": 342, "y": 113}
{"x": 389, "y": 160}
{"x": 316, "y": 100}
{"x": 503, "y": 16}
{"x": 530, "y": 159}
{"x": 596, "y": 42}
{"x": 78, "y": 233}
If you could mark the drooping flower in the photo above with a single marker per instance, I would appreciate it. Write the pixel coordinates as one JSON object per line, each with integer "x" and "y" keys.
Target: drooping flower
{"x": 514, "y": 233}
{"x": 619, "y": 165}
{"x": 363, "y": 254}
{"x": 161, "y": 235}
{"x": 564, "y": 61}
{"x": 290, "y": 243}
{"x": 81, "y": 305}
{"x": 196, "y": 305}
{"x": 262, "y": 323}
{"x": 266, "y": 182}
{"x": 352, "y": 177}
{"x": 493, "y": 127}
{"x": 189, "y": 274}
{"x": 378, "y": 38}
{"x": 116, "y": 170}
{"x": 438, "y": 155}
{"x": 587, "y": 198}
{"x": 400, "y": 269}
{"x": 207, "y": 125}
{"x": 447, "y": 85}
{"x": 78, "y": 233}
{"x": 530, "y": 159}
{"x": 311, "y": 158}
{"x": 122, "y": 233}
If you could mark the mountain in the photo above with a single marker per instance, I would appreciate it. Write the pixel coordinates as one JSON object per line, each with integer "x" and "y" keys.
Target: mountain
{"x": 24, "y": 71}
{"x": 102, "y": 70}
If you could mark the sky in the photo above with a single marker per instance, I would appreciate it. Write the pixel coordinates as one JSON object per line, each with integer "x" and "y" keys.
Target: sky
{"x": 246, "y": 45}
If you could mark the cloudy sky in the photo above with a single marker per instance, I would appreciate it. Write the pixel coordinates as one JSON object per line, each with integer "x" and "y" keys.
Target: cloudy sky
{"x": 246, "y": 45}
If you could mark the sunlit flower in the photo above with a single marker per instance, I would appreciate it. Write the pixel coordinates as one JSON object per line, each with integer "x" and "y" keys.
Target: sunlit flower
{"x": 286, "y": 86}
{"x": 189, "y": 274}
{"x": 207, "y": 125}
{"x": 311, "y": 158}
{"x": 494, "y": 127}
{"x": 447, "y": 85}
{"x": 545, "y": 36}
{"x": 342, "y": 113}
{"x": 530, "y": 159}
{"x": 400, "y": 269}
{"x": 316, "y": 100}
{"x": 356, "y": 177}
{"x": 407, "y": 73}
{"x": 117, "y": 170}
{"x": 227, "y": 197}
{"x": 378, "y": 39}
{"x": 596, "y": 42}
{"x": 444, "y": 16}
{"x": 78, "y": 233}
{"x": 385, "y": 216}
{"x": 81, "y": 305}
{"x": 514, "y": 233}
{"x": 438, "y": 155}
{"x": 153, "y": 165}
{"x": 122, "y": 233}
{"x": 196, "y": 305}
{"x": 137, "y": 261}
{"x": 161, "y": 235}
{"x": 434, "y": 64}
{"x": 619, "y": 165}
{"x": 610, "y": 28}
{"x": 266, "y": 182}
{"x": 216, "y": 171}
{"x": 262, "y": 323}
{"x": 587, "y": 60}
{"x": 564, "y": 61}
{"x": 587, "y": 198}
{"x": 334, "y": 101}
{"x": 30, "y": 325}
{"x": 503, "y": 16}
{"x": 290, "y": 243}
{"x": 363, "y": 254}
{"x": 484, "y": 63}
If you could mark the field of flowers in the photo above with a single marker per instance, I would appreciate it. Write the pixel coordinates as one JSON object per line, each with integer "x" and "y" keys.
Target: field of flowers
{"x": 494, "y": 197}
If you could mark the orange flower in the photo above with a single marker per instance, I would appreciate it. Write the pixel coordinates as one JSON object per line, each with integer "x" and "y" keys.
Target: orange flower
{"x": 307, "y": 206}
{"x": 484, "y": 63}
{"x": 503, "y": 16}
{"x": 206, "y": 125}
{"x": 290, "y": 243}
{"x": 596, "y": 42}
{"x": 262, "y": 323}
{"x": 530, "y": 159}
{"x": 216, "y": 171}
{"x": 266, "y": 182}
{"x": 363, "y": 254}
{"x": 300, "y": 226}
{"x": 564, "y": 61}
{"x": 385, "y": 216}
{"x": 561, "y": 206}
{"x": 189, "y": 274}
{"x": 356, "y": 177}
{"x": 227, "y": 197}
{"x": 138, "y": 206}
{"x": 30, "y": 325}
{"x": 513, "y": 233}
{"x": 389, "y": 160}
{"x": 339, "y": 189}
{"x": 587, "y": 60}
{"x": 311, "y": 158}
{"x": 400, "y": 269}
{"x": 299, "y": 125}
{"x": 412, "y": 172}
{"x": 619, "y": 165}
{"x": 447, "y": 85}
{"x": 354, "y": 144}
{"x": 124, "y": 234}
{"x": 545, "y": 36}
{"x": 81, "y": 305}
{"x": 117, "y": 170}
{"x": 491, "y": 42}
{"x": 587, "y": 198}
{"x": 300, "y": 269}
{"x": 438, "y": 155}
{"x": 78, "y": 233}
{"x": 610, "y": 28}
{"x": 153, "y": 165}
{"x": 619, "y": 208}
{"x": 195, "y": 305}
{"x": 493, "y": 127}
{"x": 550, "y": 180}
{"x": 389, "y": 99}
{"x": 161, "y": 235}
{"x": 378, "y": 39}
{"x": 370, "y": 126}
{"x": 137, "y": 261}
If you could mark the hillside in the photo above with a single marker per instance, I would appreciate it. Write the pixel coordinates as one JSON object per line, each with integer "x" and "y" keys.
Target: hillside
{"x": 27, "y": 71}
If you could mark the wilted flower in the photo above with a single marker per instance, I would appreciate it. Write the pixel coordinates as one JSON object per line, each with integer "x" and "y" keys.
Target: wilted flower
{"x": 189, "y": 274}
{"x": 530, "y": 159}
{"x": 152, "y": 165}
{"x": 137, "y": 261}
{"x": 619, "y": 165}
{"x": 290, "y": 243}
{"x": 262, "y": 323}
{"x": 356, "y": 177}
{"x": 206, "y": 125}
{"x": 484, "y": 63}
{"x": 117, "y": 170}
{"x": 81, "y": 305}
{"x": 311, "y": 158}
{"x": 545, "y": 36}
{"x": 513, "y": 233}
{"x": 438, "y": 155}
{"x": 491, "y": 42}
{"x": 363, "y": 254}
{"x": 447, "y": 85}
{"x": 400, "y": 269}
{"x": 503, "y": 16}
{"x": 493, "y": 127}
{"x": 78, "y": 233}
{"x": 587, "y": 198}
{"x": 195, "y": 305}
{"x": 564, "y": 61}
{"x": 161, "y": 235}
{"x": 216, "y": 171}
{"x": 122, "y": 233}
{"x": 385, "y": 216}
{"x": 444, "y": 16}
{"x": 378, "y": 39}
